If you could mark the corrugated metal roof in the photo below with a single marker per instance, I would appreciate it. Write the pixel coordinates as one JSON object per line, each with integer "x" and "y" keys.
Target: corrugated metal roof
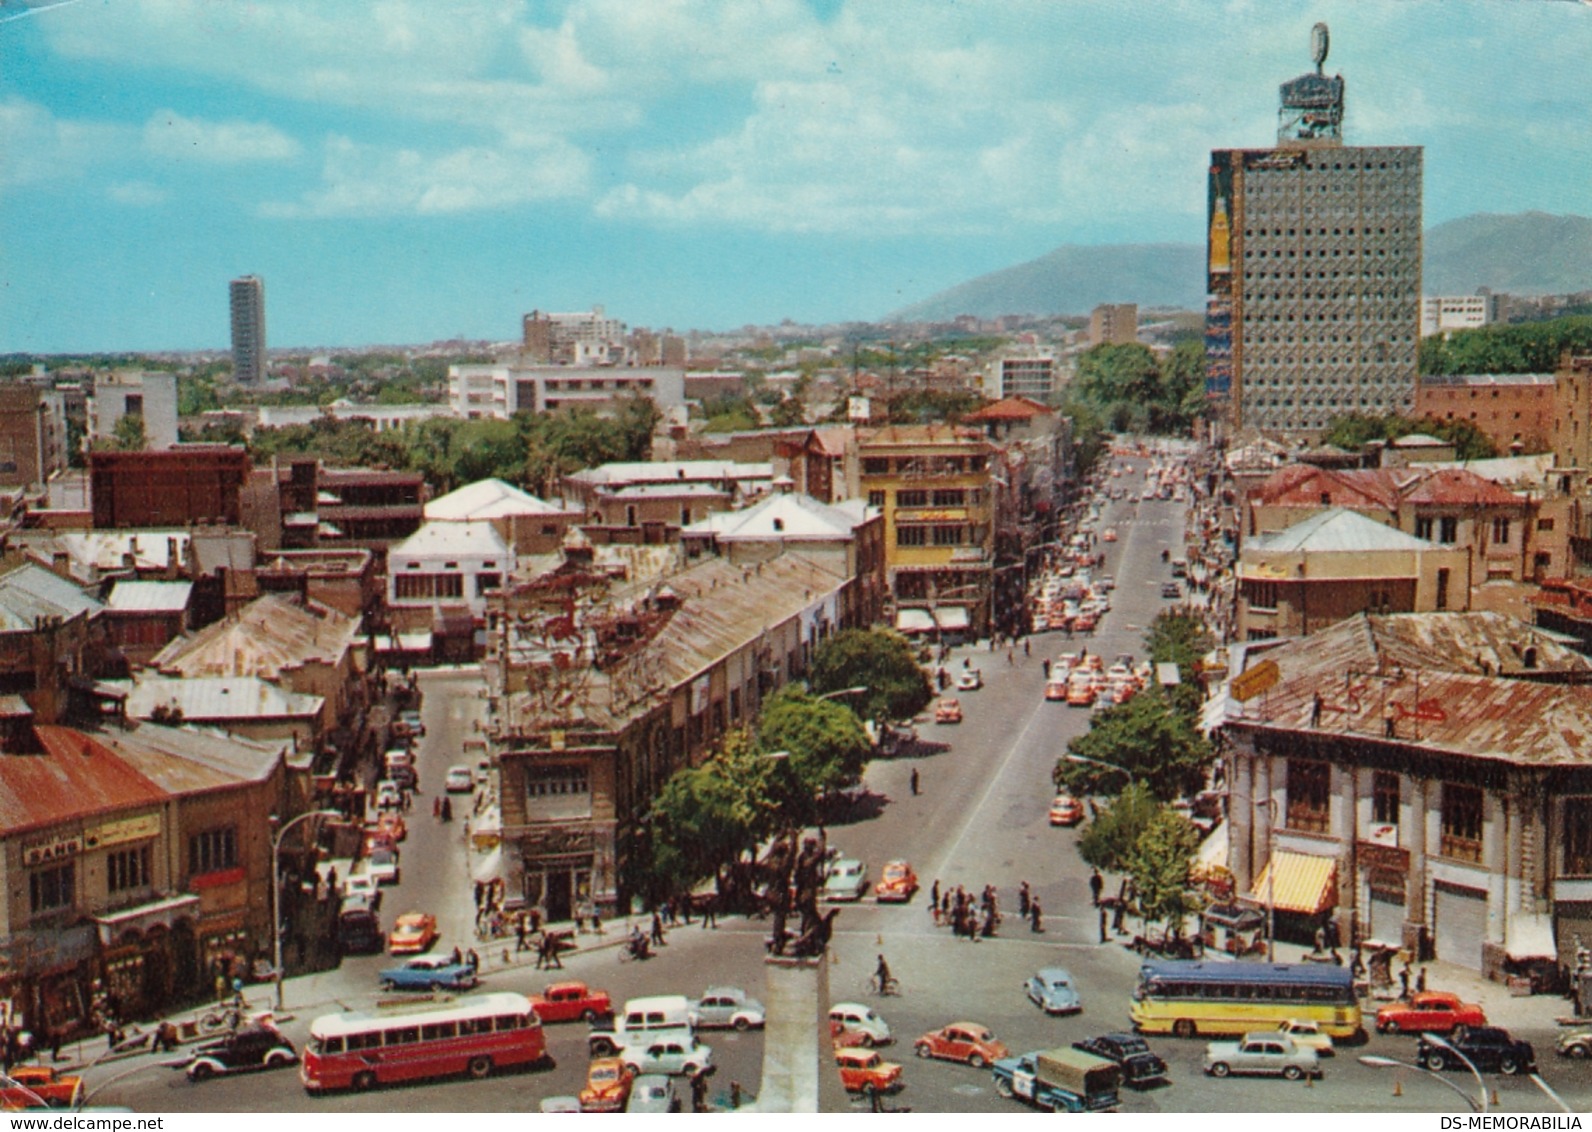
{"x": 212, "y": 698}
{"x": 1337, "y": 530}
{"x": 189, "y": 759}
{"x": 265, "y": 637}
{"x": 674, "y": 471}
{"x": 75, "y": 777}
{"x": 149, "y": 597}
{"x": 487, "y": 499}
{"x": 30, "y": 592}
{"x": 797, "y": 516}
{"x": 1456, "y": 485}
{"x": 444, "y": 538}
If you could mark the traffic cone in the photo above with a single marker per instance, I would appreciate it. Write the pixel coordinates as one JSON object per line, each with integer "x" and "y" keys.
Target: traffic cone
{"x": 878, "y": 940}
{"x": 1493, "y": 1100}
{"x": 1398, "y": 1086}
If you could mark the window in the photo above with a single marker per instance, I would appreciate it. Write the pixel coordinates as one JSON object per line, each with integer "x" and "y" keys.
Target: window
{"x": 552, "y": 781}
{"x": 913, "y": 498}
{"x": 912, "y": 536}
{"x": 1423, "y": 527}
{"x": 486, "y": 583}
{"x": 948, "y": 498}
{"x": 1544, "y": 524}
{"x": 1385, "y": 798}
{"x": 1262, "y": 595}
{"x": 1578, "y": 836}
{"x": 212, "y": 851}
{"x": 49, "y": 889}
{"x": 1309, "y": 795}
{"x": 876, "y": 499}
{"x": 127, "y": 869}
{"x": 949, "y": 536}
{"x": 1442, "y": 588}
{"x": 1448, "y": 530}
{"x": 1461, "y": 822}
{"x": 875, "y": 466}
{"x": 1500, "y": 530}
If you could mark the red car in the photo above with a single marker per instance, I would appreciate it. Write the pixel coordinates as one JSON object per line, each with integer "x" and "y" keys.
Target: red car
{"x": 967, "y": 1042}
{"x": 898, "y": 883}
{"x": 30, "y": 1086}
{"x": 570, "y": 1002}
{"x": 948, "y": 710}
{"x": 1437, "y": 1011}
{"x": 1066, "y": 810}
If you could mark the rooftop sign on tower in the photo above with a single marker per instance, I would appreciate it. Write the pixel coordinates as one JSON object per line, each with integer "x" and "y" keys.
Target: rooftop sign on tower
{"x": 1312, "y": 104}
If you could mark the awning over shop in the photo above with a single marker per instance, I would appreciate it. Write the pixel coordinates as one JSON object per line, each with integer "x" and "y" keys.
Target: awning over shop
{"x": 487, "y": 866}
{"x": 952, "y": 617}
{"x": 914, "y": 621}
{"x": 405, "y": 642}
{"x": 1302, "y": 884}
{"x": 163, "y": 913}
{"x": 1530, "y": 937}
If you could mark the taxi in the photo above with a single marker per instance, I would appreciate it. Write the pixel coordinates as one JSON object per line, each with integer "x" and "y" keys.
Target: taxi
{"x": 967, "y": 1042}
{"x": 607, "y": 1086}
{"x": 897, "y": 884}
{"x": 393, "y": 824}
{"x": 1066, "y": 810}
{"x": 1056, "y": 690}
{"x": 864, "y": 1071}
{"x": 412, "y": 933}
{"x": 1080, "y": 693}
{"x": 948, "y": 710}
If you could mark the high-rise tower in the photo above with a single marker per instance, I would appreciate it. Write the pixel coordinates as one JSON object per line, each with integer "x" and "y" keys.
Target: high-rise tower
{"x": 1313, "y": 269}
{"x": 248, "y": 330}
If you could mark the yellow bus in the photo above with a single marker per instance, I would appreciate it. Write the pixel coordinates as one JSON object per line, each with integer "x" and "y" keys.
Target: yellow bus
{"x": 1195, "y": 996}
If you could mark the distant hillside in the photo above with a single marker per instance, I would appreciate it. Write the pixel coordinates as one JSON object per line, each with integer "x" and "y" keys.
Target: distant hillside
{"x": 1529, "y": 253}
{"x": 1074, "y": 280}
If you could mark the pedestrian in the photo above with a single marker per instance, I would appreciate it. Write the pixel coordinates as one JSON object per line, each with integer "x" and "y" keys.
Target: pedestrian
{"x": 1389, "y": 717}
{"x": 1022, "y": 900}
{"x": 934, "y": 893}
{"x": 1028, "y": 650}
{"x": 1036, "y": 920}
{"x": 165, "y": 1038}
{"x": 914, "y": 782}
{"x": 1096, "y": 885}
{"x": 553, "y": 949}
{"x": 656, "y": 934}
{"x": 596, "y": 922}
{"x": 1404, "y": 982}
{"x": 1117, "y": 915}
{"x": 1011, "y": 657}
{"x": 519, "y": 934}
{"x": 457, "y": 957}
{"x": 473, "y": 959}
{"x": 1315, "y": 710}
{"x": 710, "y": 913}
{"x": 541, "y": 952}
{"x": 1045, "y": 664}
{"x": 1420, "y": 981}
{"x": 447, "y": 810}
{"x": 1104, "y": 938}
{"x": 1321, "y": 940}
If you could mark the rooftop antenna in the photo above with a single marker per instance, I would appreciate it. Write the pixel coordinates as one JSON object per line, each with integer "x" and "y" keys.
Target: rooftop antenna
{"x": 1319, "y": 42}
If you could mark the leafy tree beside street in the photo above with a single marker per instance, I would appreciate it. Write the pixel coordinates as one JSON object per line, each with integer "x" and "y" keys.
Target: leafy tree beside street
{"x": 826, "y": 749}
{"x": 879, "y": 661}
{"x": 1108, "y": 841}
{"x": 1158, "y": 865}
{"x": 1354, "y": 430}
{"x": 1150, "y": 739}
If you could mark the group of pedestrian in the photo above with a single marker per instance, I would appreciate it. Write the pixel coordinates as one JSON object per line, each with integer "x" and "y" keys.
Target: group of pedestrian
{"x": 969, "y": 917}
{"x": 490, "y": 919}
{"x": 441, "y": 807}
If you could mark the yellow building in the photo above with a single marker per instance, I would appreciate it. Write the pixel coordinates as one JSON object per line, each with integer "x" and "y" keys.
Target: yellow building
{"x": 933, "y": 484}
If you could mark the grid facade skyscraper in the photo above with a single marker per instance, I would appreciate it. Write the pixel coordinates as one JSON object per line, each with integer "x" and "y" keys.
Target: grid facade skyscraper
{"x": 248, "y": 330}
{"x": 1314, "y": 271}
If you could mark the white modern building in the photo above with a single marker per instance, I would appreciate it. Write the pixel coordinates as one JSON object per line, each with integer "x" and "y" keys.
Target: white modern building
{"x": 448, "y": 565}
{"x": 501, "y": 390}
{"x": 150, "y": 397}
{"x": 1443, "y": 314}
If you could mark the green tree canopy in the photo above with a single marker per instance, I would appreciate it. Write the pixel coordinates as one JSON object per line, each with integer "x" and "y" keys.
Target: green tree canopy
{"x": 1354, "y": 430}
{"x": 1150, "y": 739}
{"x": 1130, "y": 390}
{"x": 1107, "y": 842}
{"x": 881, "y": 662}
{"x": 1519, "y": 347}
{"x": 1158, "y": 863}
{"x": 827, "y": 750}
{"x": 707, "y": 815}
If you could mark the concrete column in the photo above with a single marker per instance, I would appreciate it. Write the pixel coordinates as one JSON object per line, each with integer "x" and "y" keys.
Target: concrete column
{"x": 1345, "y": 803}
{"x": 1494, "y": 838}
{"x": 1412, "y": 836}
{"x": 799, "y": 1073}
{"x": 1241, "y": 820}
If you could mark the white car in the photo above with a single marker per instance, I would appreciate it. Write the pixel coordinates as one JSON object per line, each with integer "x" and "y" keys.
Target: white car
{"x": 382, "y": 866}
{"x": 682, "y": 1056}
{"x": 861, "y": 1019}
{"x": 971, "y": 680}
{"x": 459, "y": 780}
{"x": 362, "y": 884}
{"x": 727, "y": 1007}
{"x": 388, "y": 796}
{"x": 848, "y": 880}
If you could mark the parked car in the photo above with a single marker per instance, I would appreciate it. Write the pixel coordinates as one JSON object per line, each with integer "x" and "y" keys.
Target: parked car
{"x": 1574, "y": 1043}
{"x": 1056, "y": 689}
{"x": 410, "y": 718}
{"x": 429, "y": 973}
{"x": 33, "y": 1086}
{"x": 571, "y": 1001}
{"x": 1309, "y": 1034}
{"x": 1264, "y": 1054}
{"x": 653, "y": 1092}
{"x": 1080, "y": 693}
{"x": 967, "y": 1042}
{"x": 848, "y": 880}
{"x": 1140, "y": 1066}
{"x": 727, "y": 1008}
{"x": 1108, "y": 535}
{"x": 1435, "y": 1011}
{"x": 864, "y": 1071}
{"x": 607, "y": 1086}
{"x": 1052, "y": 990}
{"x": 897, "y": 883}
{"x": 680, "y": 1055}
{"x": 382, "y": 865}
{"x": 970, "y": 680}
{"x": 1066, "y": 810}
{"x": 1171, "y": 591}
{"x": 459, "y": 779}
{"x": 948, "y": 710}
{"x": 363, "y": 884}
{"x": 1488, "y": 1047}
{"x": 388, "y": 796}
{"x": 412, "y": 932}
{"x": 394, "y": 825}
{"x": 874, "y": 1031}
{"x": 255, "y": 1047}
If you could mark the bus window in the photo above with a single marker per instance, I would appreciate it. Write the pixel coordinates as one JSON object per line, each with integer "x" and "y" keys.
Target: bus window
{"x": 404, "y": 1035}
{"x": 468, "y": 1026}
{"x": 438, "y": 1030}
{"x": 507, "y": 1022}
{"x": 371, "y": 1040}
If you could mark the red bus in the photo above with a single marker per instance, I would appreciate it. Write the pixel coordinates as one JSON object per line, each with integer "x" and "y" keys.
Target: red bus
{"x": 364, "y": 1048}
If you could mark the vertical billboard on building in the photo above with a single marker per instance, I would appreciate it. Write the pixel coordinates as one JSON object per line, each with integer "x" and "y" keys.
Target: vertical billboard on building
{"x": 1219, "y": 276}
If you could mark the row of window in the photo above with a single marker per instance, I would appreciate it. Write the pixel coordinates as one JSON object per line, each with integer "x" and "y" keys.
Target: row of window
{"x": 556, "y": 781}
{"x": 430, "y": 1032}
{"x": 127, "y": 870}
{"x": 1261, "y": 232}
{"x": 940, "y": 497}
{"x": 1309, "y": 799}
{"x": 937, "y": 534}
{"x": 922, "y": 465}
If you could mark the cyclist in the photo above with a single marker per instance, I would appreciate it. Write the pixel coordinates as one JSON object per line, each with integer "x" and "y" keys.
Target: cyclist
{"x": 881, "y": 976}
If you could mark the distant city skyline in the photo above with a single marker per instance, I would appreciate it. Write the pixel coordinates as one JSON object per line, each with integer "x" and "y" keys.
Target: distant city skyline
{"x": 443, "y": 170}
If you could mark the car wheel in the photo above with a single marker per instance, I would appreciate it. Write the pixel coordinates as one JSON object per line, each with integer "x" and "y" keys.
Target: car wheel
{"x": 388, "y": 985}
{"x": 480, "y": 1067}
{"x": 278, "y": 1058}
{"x": 743, "y": 1025}
{"x": 691, "y": 1069}
{"x": 1003, "y": 1087}
{"x": 363, "y": 1080}
{"x": 438, "y": 985}
{"x": 1220, "y": 1069}
{"x": 1436, "y": 1062}
{"x": 1183, "y": 1028}
{"x": 922, "y": 1049}
{"x": 1509, "y": 1066}
{"x": 1387, "y": 1026}
{"x": 588, "y": 1016}
{"x": 1578, "y": 1052}
{"x": 976, "y": 1061}
{"x": 602, "y": 1049}
{"x": 866, "y": 1041}
{"x": 1292, "y": 1072}
{"x": 201, "y": 1071}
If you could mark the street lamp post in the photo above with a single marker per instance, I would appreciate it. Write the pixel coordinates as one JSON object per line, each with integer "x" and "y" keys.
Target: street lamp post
{"x": 276, "y": 894}
{"x": 1122, "y": 770}
{"x": 838, "y": 692}
{"x": 1378, "y": 1062}
{"x": 1444, "y": 1044}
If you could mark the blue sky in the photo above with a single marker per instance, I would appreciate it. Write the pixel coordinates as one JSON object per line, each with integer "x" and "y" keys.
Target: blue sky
{"x": 402, "y": 171}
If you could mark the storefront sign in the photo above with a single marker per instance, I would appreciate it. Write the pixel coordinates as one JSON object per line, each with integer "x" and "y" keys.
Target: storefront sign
{"x": 119, "y": 832}
{"x": 57, "y": 849}
{"x": 1253, "y": 681}
{"x": 1388, "y": 857}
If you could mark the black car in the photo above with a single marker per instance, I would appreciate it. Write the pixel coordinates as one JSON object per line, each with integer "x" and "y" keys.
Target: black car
{"x": 1171, "y": 590}
{"x": 1489, "y": 1047}
{"x": 1140, "y": 1067}
{"x": 255, "y": 1047}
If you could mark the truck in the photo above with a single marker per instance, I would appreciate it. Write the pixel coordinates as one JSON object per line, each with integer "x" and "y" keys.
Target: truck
{"x": 643, "y": 1021}
{"x": 1060, "y": 1080}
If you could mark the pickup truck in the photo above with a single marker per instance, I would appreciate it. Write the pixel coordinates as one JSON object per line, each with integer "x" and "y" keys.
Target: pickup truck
{"x": 643, "y": 1021}
{"x": 1060, "y": 1080}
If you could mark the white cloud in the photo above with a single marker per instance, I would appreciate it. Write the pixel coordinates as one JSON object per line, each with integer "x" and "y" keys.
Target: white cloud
{"x": 362, "y": 180}
{"x": 40, "y": 148}
{"x": 169, "y": 134}
{"x": 137, "y": 194}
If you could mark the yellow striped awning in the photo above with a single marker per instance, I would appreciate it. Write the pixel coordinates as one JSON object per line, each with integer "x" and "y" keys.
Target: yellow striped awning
{"x": 1303, "y": 883}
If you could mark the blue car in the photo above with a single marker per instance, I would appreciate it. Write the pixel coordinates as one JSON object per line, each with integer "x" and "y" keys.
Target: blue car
{"x": 1052, "y": 990}
{"x": 429, "y": 973}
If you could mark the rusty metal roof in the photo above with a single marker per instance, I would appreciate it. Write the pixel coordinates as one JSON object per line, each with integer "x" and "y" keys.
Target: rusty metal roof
{"x": 269, "y": 635}
{"x": 76, "y": 777}
{"x": 1453, "y": 682}
{"x": 187, "y": 760}
{"x": 1456, "y": 485}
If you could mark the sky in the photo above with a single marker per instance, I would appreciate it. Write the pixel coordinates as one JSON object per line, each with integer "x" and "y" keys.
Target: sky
{"x": 401, "y": 171}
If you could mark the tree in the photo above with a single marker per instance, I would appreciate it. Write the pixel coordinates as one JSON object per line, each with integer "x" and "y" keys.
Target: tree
{"x": 128, "y": 434}
{"x": 1107, "y": 842}
{"x": 707, "y": 815}
{"x": 827, "y": 750}
{"x": 1150, "y": 739}
{"x": 788, "y": 413}
{"x": 878, "y": 660}
{"x": 1158, "y": 864}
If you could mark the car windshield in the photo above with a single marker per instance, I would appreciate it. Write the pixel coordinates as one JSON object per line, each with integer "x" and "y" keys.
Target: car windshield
{"x": 1132, "y": 1045}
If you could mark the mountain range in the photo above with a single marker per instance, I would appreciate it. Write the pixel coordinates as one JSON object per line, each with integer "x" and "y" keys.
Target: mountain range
{"x": 1527, "y": 253}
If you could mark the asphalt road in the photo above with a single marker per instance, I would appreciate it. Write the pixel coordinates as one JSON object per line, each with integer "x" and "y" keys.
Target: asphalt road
{"x": 981, "y": 819}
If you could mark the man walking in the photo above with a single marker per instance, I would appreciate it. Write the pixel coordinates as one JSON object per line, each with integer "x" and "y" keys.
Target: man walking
{"x": 1096, "y": 884}
{"x": 1035, "y": 917}
{"x": 914, "y": 782}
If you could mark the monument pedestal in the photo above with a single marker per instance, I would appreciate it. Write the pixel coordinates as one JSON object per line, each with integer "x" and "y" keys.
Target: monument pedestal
{"x": 799, "y": 1072}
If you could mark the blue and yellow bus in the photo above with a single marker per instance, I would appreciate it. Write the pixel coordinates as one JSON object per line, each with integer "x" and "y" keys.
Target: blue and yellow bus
{"x": 1189, "y": 997}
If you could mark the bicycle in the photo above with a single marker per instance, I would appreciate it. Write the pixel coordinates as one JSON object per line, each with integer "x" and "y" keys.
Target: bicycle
{"x": 891, "y": 988}
{"x": 224, "y": 1017}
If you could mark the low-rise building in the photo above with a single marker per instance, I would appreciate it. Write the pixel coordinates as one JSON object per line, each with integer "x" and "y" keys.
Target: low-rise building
{"x": 441, "y": 577}
{"x": 1513, "y": 410}
{"x": 527, "y": 524}
{"x": 149, "y": 398}
{"x": 246, "y": 706}
{"x": 143, "y": 617}
{"x": 32, "y": 435}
